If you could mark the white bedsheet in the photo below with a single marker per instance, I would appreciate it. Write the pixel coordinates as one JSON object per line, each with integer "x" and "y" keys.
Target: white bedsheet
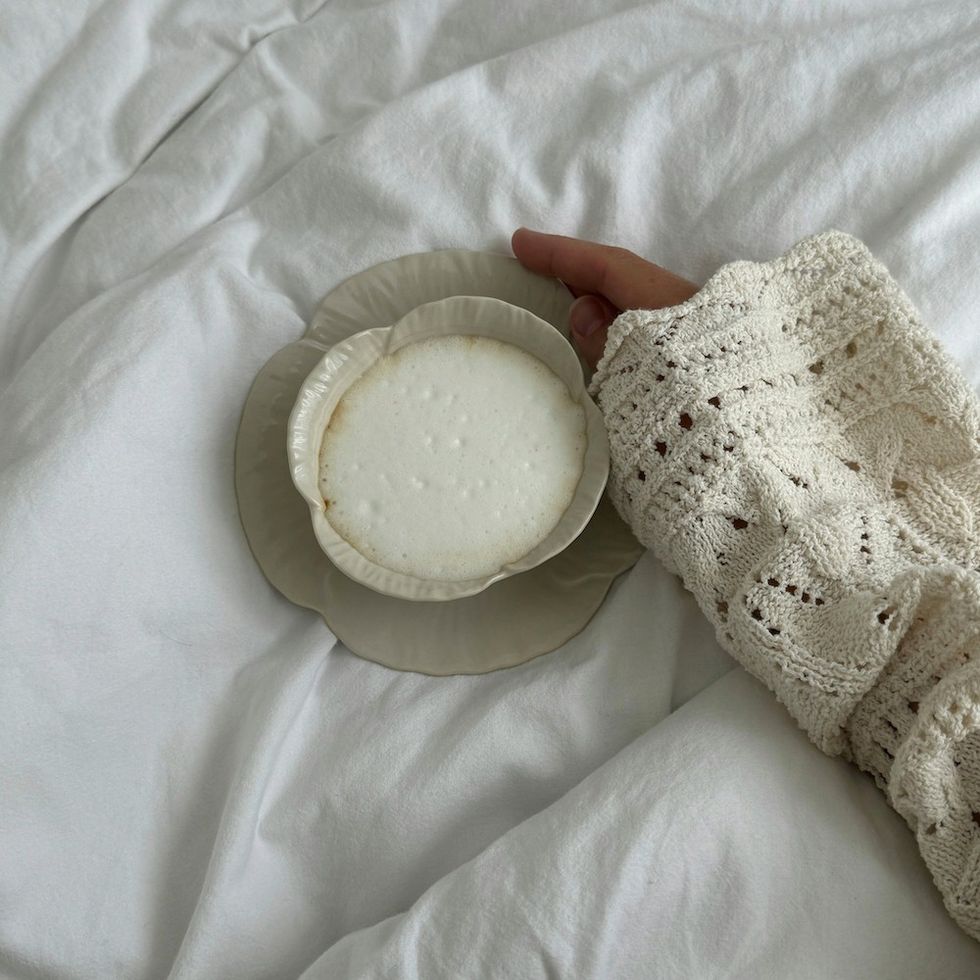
{"x": 196, "y": 780}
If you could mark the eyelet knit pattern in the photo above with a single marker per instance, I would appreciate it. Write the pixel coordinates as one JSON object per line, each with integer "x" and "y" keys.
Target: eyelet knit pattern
{"x": 802, "y": 452}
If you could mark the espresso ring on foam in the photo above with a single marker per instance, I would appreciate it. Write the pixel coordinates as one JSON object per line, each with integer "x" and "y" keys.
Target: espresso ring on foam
{"x": 452, "y": 457}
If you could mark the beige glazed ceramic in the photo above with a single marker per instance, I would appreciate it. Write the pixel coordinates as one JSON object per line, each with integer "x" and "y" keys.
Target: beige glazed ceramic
{"x": 347, "y": 361}
{"x": 515, "y": 619}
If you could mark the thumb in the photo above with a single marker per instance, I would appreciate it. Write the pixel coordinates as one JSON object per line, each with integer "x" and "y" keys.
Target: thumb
{"x": 589, "y": 319}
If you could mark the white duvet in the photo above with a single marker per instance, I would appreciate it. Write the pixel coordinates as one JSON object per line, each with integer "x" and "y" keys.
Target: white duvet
{"x": 196, "y": 780}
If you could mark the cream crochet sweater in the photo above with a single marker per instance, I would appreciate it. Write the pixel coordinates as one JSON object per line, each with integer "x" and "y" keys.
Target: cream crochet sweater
{"x": 796, "y": 446}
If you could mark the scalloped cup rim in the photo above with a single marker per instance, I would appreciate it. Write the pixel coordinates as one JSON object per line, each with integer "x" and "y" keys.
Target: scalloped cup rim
{"x": 346, "y": 361}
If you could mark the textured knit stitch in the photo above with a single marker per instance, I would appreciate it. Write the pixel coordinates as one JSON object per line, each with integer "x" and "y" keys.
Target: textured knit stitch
{"x": 796, "y": 446}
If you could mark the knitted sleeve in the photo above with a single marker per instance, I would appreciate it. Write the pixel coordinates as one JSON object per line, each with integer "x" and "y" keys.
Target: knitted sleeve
{"x": 799, "y": 449}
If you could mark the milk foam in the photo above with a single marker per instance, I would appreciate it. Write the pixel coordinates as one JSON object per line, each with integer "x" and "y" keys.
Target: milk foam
{"x": 452, "y": 457}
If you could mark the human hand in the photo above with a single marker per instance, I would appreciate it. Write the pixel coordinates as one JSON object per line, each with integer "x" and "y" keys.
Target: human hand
{"x": 604, "y": 279}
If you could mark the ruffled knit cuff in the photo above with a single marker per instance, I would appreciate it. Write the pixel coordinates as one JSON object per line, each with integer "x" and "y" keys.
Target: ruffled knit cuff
{"x": 803, "y": 453}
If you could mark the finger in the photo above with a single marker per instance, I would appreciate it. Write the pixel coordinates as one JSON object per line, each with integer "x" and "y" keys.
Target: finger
{"x": 589, "y": 319}
{"x": 628, "y": 281}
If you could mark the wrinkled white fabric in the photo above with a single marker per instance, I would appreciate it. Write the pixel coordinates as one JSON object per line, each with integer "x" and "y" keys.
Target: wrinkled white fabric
{"x": 195, "y": 779}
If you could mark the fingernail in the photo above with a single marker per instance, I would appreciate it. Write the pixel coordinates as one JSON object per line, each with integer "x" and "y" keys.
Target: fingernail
{"x": 587, "y": 316}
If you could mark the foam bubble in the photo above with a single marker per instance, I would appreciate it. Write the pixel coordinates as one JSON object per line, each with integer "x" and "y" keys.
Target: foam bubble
{"x": 456, "y": 492}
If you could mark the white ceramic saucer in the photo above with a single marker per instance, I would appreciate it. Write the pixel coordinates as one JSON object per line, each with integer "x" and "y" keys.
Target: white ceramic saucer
{"x": 508, "y": 623}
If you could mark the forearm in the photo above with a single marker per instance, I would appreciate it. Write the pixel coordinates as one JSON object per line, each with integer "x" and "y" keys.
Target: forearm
{"x": 801, "y": 451}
